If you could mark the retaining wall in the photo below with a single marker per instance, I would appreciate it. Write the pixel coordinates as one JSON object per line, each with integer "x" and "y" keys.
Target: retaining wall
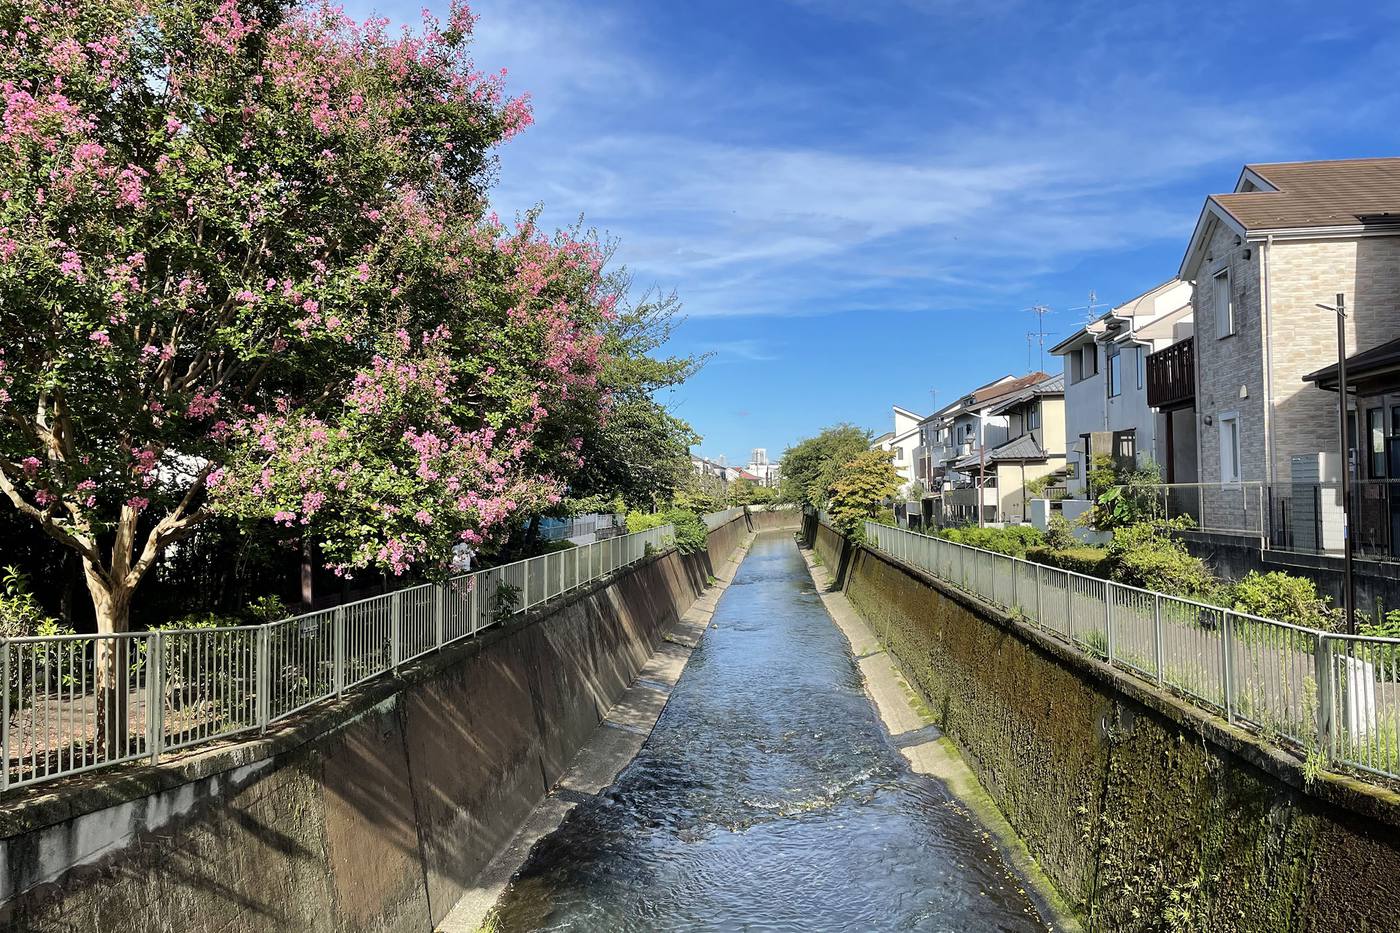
{"x": 1146, "y": 813}
{"x": 374, "y": 813}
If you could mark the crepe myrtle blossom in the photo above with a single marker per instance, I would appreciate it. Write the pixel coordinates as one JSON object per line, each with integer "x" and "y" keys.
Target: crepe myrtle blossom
{"x": 207, "y": 234}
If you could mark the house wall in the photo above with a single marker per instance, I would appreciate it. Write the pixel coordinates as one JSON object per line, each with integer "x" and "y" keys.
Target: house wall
{"x": 1011, "y": 481}
{"x": 1051, "y": 433}
{"x": 1129, "y": 410}
{"x": 1303, "y": 337}
{"x": 1084, "y": 414}
{"x": 1224, "y": 365}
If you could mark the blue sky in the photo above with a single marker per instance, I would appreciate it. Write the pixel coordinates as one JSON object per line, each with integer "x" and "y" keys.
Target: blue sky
{"x": 856, "y": 201}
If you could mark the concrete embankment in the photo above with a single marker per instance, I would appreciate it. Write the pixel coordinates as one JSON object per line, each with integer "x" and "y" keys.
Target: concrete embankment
{"x": 1144, "y": 812}
{"x": 377, "y": 812}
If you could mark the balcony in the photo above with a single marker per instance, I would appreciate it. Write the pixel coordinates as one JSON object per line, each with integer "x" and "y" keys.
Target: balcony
{"x": 1171, "y": 375}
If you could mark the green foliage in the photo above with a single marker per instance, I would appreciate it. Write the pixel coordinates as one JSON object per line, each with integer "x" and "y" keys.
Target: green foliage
{"x": 1284, "y": 597}
{"x": 691, "y": 533}
{"x": 504, "y": 601}
{"x": 1148, "y": 555}
{"x": 809, "y": 467}
{"x": 1013, "y": 539}
{"x": 1132, "y": 497}
{"x": 640, "y": 453}
{"x": 1101, "y": 474}
{"x": 1085, "y": 560}
{"x": 859, "y": 487}
{"x": 21, "y": 615}
{"x": 747, "y": 492}
{"x": 20, "y": 612}
{"x": 1059, "y": 533}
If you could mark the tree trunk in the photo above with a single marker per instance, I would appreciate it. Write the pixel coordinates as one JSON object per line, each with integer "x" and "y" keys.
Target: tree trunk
{"x": 112, "y": 663}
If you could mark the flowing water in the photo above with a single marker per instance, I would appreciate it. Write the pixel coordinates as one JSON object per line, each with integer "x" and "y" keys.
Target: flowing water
{"x": 769, "y": 797}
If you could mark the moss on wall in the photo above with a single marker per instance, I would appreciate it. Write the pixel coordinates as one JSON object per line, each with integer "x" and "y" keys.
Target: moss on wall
{"x": 1140, "y": 818}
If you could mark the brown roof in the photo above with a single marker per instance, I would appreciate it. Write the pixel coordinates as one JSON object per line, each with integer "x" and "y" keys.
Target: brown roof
{"x": 1007, "y": 388}
{"x": 1340, "y": 193}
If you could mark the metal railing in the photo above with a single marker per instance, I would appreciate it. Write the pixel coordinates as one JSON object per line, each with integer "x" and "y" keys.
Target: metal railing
{"x": 78, "y": 702}
{"x": 1336, "y": 697}
{"x": 713, "y": 520}
{"x": 582, "y": 525}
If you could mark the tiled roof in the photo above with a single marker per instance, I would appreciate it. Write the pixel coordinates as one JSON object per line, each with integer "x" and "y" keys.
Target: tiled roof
{"x": 1018, "y": 448}
{"x": 1340, "y": 193}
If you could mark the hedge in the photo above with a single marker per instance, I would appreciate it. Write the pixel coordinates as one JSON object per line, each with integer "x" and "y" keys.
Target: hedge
{"x": 1086, "y": 560}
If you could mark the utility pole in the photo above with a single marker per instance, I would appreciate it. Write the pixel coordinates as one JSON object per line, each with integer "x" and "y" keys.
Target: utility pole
{"x": 1348, "y": 587}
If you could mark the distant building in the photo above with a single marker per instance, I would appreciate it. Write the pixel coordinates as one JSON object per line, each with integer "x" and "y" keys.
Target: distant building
{"x": 764, "y": 473}
{"x": 903, "y": 442}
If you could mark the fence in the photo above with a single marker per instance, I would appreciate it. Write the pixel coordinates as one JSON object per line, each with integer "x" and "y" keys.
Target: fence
{"x": 584, "y": 525}
{"x": 78, "y": 702}
{"x": 1334, "y": 696}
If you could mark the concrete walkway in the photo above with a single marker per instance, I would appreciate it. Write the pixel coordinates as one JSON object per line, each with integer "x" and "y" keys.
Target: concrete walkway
{"x": 912, "y": 729}
{"x": 614, "y": 744}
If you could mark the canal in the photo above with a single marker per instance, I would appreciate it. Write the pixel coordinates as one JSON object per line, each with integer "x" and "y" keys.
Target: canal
{"x": 768, "y": 797}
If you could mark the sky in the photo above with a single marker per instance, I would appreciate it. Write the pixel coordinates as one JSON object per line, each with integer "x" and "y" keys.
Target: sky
{"x": 858, "y": 200}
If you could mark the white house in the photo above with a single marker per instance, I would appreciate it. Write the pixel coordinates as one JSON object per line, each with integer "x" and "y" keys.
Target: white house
{"x": 1106, "y": 407}
{"x": 903, "y": 441}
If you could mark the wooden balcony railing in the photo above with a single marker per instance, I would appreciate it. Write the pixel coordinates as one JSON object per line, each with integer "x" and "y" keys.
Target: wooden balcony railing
{"x": 1171, "y": 375}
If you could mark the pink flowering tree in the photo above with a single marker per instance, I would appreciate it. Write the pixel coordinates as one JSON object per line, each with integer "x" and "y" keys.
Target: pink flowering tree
{"x": 245, "y": 269}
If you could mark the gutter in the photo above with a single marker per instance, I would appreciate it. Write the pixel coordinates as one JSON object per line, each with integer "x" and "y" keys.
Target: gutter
{"x": 1266, "y": 305}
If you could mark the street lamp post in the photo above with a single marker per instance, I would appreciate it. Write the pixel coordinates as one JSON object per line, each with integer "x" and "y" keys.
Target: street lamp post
{"x": 1348, "y": 590}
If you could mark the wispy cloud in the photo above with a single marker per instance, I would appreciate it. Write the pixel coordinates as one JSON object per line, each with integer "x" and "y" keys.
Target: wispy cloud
{"x": 734, "y": 350}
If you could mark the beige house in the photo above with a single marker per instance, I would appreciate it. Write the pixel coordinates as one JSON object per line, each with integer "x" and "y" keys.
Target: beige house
{"x": 1035, "y": 448}
{"x": 1291, "y": 236}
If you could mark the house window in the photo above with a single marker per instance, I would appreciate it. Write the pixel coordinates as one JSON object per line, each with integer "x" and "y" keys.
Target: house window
{"x": 1115, "y": 372}
{"x": 1088, "y": 361}
{"x": 1125, "y": 449}
{"x": 1375, "y": 441}
{"x": 1033, "y": 416}
{"x": 1224, "y": 307}
{"x": 1230, "y": 447}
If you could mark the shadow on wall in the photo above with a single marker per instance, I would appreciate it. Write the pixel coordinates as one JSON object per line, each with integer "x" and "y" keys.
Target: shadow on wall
{"x": 375, "y": 814}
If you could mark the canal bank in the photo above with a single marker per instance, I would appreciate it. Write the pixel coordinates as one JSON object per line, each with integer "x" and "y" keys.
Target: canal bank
{"x": 768, "y": 796}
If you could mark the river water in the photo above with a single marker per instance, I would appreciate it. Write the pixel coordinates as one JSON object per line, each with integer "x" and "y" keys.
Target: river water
{"x": 768, "y": 797}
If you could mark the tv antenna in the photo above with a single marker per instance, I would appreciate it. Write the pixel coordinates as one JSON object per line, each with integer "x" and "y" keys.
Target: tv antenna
{"x": 1092, "y": 309}
{"x": 1038, "y": 334}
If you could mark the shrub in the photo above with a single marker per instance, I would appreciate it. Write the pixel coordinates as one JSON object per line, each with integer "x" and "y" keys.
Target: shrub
{"x": 1284, "y": 598}
{"x": 1059, "y": 535}
{"x": 1148, "y": 555}
{"x": 1086, "y": 560}
{"x": 1130, "y": 500}
{"x": 691, "y": 533}
{"x": 1012, "y": 540}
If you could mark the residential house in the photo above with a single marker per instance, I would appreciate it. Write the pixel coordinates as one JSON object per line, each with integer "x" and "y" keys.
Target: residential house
{"x": 967, "y": 431}
{"x": 759, "y": 466}
{"x": 1291, "y": 236}
{"x": 711, "y": 475}
{"x": 1035, "y": 447}
{"x": 902, "y": 442}
{"x": 1106, "y": 400}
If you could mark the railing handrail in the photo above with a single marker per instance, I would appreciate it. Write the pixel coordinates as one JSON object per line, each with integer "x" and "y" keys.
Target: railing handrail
{"x": 1346, "y": 673}
{"x": 259, "y": 673}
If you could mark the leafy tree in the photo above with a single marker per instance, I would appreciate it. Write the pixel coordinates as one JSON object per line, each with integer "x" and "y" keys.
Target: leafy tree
{"x": 638, "y": 451}
{"x": 809, "y": 467}
{"x": 859, "y": 487}
{"x": 747, "y": 492}
{"x": 247, "y": 270}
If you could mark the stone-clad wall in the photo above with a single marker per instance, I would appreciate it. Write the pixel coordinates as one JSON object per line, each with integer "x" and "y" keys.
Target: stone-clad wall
{"x": 1146, "y": 814}
{"x": 372, "y": 814}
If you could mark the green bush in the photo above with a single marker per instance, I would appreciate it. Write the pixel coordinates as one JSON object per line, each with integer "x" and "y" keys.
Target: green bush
{"x": 1284, "y": 598}
{"x": 1148, "y": 555}
{"x": 1013, "y": 540}
{"x": 1059, "y": 534}
{"x": 691, "y": 533}
{"x": 1086, "y": 560}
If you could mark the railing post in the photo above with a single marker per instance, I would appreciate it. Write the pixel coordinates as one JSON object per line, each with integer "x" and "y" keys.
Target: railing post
{"x": 1014, "y": 574}
{"x": 525, "y": 584}
{"x": 1227, "y": 681}
{"x": 1069, "y": 606}
{"x": 1323, "y": 667}
{"x": 440, "y": 613}
{"x": 155, "y": 693}
{"x": 5, "y": 721}
{"x": 395, "y": 631}
{"x": 1157, "y": 635}
{"x": 264, "y": 675}
{"x": 1039, "y": 618}
{"x": 338, "y": 623}
{"x": 1108, "y": 618}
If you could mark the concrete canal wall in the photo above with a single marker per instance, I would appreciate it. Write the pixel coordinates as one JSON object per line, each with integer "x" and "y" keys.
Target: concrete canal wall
{"x": 373, "y": 813}
{"x": 1146, "y": 813}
